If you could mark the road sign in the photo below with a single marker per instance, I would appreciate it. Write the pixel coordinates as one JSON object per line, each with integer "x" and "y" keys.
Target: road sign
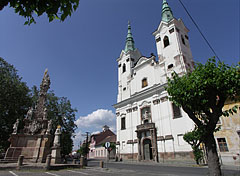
{"x": 107, "y": 144}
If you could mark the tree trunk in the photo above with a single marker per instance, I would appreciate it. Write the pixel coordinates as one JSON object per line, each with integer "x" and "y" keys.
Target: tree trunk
{"x": 213, "y": 160}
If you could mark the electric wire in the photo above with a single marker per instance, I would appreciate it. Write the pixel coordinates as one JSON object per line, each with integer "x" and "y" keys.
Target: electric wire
{"x": 199, "y": 30}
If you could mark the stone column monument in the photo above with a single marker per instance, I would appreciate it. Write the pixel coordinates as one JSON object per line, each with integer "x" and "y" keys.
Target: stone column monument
{"x": 34, "y": 140}
{"x": 56, "y": 149}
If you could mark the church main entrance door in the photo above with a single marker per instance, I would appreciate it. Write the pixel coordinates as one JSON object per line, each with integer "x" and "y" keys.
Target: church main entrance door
{"x": 147, "y": 149}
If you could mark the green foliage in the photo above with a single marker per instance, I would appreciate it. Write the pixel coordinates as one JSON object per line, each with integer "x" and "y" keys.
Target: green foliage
{"x": 203, "y": 92}
{"x": 14, "y": 101}
{"x": 83, "y": 150}
{"x": 54, "y": 9}
{"x": 194, "y": 139}
{"x": 61, "y": 113}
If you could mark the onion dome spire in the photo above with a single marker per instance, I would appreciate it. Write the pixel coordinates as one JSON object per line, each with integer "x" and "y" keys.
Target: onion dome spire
{"x": 167, "y": 14}
{"x": 129, "y": 40}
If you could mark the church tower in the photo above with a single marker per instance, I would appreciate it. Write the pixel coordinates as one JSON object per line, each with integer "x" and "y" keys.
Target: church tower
{"x": 172, "y": 44}
{"x": 126, "y": 62}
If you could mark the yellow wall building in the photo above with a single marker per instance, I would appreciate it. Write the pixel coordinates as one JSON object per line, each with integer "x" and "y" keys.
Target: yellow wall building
{"x": 228, "y": 138}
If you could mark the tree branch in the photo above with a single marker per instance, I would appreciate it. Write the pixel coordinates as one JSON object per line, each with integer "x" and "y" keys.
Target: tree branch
{"x": 192, "y": 116}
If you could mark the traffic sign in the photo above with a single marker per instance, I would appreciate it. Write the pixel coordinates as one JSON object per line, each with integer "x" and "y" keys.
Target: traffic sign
{"x": 107, "y": 144}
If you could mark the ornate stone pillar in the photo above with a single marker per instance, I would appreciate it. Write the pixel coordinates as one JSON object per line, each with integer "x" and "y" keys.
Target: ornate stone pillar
{"x": 154, "y": 144}
{"x": 56, "y": 149}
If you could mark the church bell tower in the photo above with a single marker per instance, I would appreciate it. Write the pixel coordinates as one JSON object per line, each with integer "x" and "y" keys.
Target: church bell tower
{"x": 172, "y": 42}
{"x": 126, "y": 62}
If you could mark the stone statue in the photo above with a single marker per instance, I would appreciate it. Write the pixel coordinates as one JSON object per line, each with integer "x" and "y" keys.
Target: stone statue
{"x": 34, "y": 127}
{"x": 30, "y": 113}
{"x": 15, "y": 127}
{"x": 45, "y": 114}
{"x": 146, "y": 115}
{"x": 36, "y": 119}
{"x": 56, "y": 142}
{"x": 49, "y": 128}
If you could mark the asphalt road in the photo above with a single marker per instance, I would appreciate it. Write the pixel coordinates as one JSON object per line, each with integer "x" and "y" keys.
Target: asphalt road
{"x": 121, "y": 169}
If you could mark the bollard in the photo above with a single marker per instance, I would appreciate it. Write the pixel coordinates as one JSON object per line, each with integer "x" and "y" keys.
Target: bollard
{"x": 101, "y": 164}
{"x": 74, "y": 161}
{"x": 48, "y": 162}
{"x": 85, "y": 162}
{"x": 81, "y": 161}
{"x": 116, "y": 158}
{"x": 20, "y": 161}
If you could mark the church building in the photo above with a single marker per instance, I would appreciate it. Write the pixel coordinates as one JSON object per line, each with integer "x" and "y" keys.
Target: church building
{"x": 149, "y": 126}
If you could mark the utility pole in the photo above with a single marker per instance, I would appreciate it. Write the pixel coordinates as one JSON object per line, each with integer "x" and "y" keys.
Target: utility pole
{"x": 86, "y": 147}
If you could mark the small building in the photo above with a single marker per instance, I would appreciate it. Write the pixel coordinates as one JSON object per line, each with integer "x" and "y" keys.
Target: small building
{"x": 97, "y": 149}
{"x": 228, "y": 138}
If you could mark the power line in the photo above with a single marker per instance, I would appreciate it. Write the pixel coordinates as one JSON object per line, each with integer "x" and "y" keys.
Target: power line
{"x": 199, "y": 30}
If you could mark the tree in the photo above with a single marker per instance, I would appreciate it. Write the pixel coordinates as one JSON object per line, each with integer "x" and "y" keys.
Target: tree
{"x": 194, "y": 139}
{"x": 83, "y": 150}
{"x": 202, "y": 94}
{"x": 61, "y": 113}
{"x": 54, "y": 9}
{"x": 14, "y": 101}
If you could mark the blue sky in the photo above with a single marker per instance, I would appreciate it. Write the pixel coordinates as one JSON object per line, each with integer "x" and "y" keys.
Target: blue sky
{"x": 81, "y": 52}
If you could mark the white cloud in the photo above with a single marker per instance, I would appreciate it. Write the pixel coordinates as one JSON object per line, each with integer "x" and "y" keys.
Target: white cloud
{"x": 97, "y": 119}
{"x": 93, "y": 123}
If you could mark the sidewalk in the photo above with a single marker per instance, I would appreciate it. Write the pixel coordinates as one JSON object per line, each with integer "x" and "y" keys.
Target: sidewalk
{"x": 177, "y": 163}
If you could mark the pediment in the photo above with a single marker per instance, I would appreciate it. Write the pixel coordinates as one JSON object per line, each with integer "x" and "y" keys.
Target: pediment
{"x": 145, "y": 103}
{"x": 141, "y": 61}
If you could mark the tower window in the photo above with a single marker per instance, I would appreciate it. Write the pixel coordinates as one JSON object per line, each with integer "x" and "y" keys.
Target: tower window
{"x": 176, "y": 111}
{"x": 124, "y": 88}
{"x": 166, "y": 41}
{"x": 144, "y": 82}
{"x": 170, "y": 66}
{"x": 171, "y": 30}
{"x": 158, "y": 39}
{"x": 123, "y": 123}
{"x": 186, "y": 37}
{"x": 124, "y": 68}
{"x": 119, "y": 65}
{"x": 132, "y": 59}
{"x": 177, "y": 30}
{"x": 183, "y": 41}
{"x": 127, "y": 59}
{"x": 222, "y": 144}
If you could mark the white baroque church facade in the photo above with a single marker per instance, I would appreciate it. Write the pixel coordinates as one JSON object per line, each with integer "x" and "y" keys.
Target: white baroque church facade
{"x": 149, "y": 125}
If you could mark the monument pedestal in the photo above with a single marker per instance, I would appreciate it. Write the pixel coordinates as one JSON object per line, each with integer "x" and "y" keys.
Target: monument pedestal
{"x": 34, "y": 148}
{"x": 56, "y": 155}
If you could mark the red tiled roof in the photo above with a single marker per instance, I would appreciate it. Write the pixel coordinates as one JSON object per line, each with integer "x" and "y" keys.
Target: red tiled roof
{"x": 108, "y": 139}
{"x": 101, "y": 136}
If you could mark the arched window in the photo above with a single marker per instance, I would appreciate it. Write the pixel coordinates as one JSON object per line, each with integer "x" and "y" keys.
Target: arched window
{"x": 183, "y": 41}
{"x": 144, "y": 82}
{"x": 166, "y": 41}
{"x": 124, "y": 68}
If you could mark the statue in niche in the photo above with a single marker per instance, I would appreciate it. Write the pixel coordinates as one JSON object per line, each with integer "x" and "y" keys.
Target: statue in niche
{"x": 146, "y": 114}
{"x": 15, "y": 127}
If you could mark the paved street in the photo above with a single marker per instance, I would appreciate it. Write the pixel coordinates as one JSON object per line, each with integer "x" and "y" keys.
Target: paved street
{"x": 121, "y": 169}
